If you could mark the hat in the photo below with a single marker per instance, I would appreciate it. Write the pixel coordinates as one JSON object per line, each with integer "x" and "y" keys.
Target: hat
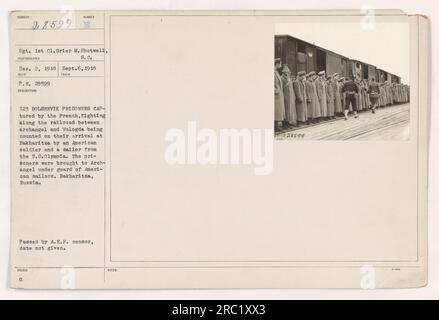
{"x": 301, "y": 73}
{"x": 328, "y": 76}
{"x": 312, "y": 73}
{"x": 341, "y": 79}
{"x": 335, "y": 75}
{"x": 277, "y": 60}
{"x": 322, "y": 73}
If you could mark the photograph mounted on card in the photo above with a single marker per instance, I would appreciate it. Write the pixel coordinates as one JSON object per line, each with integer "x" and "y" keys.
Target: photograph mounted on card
{"x": 150, "y": 149}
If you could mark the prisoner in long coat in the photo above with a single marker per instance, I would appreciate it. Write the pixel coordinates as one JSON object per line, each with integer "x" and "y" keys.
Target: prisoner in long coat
{"x": 279, "y": 106}
{"x": 382, "y": 98}
{"x": 315, "y": 98}
{"x": 386, "y": 98}
{"x": 395, "y": 98}
{"x": 289, "y": 96}
{"x": 337, "y": 91}
{"x": 331, "y": 96}
{"x": 300, "y": 93}
{"x": 389, "y": 93}
{"x": 321, "y": 93}
{"x": 358, "y": 96}
{"x": 365, "y": 96}
{"x": 309, "y": 98}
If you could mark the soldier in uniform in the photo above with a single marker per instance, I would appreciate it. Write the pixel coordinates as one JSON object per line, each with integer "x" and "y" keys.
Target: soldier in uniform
{"x": 337, "y": 91}
{"x": 279, "y": 106}
{"x": 350, "y": 89}
{"x": 300, "y": 93}
{"x": 342, "y": 95}
{"x": 374, "y": 94}
{"x": 289, "y": 98}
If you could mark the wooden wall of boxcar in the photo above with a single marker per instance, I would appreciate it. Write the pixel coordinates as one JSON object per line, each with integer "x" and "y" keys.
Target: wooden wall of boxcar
{"x": 285, "y": 49}
{"x": 311, "y": 57}
{"x": 372, "y": 72}
{"x": 382, "y": 75}
{"x": 334, "y": 64}
{"x": 345, "y": 65}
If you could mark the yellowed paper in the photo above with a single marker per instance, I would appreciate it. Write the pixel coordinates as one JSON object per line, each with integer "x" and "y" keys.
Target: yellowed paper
{"x": 145, "y": 152}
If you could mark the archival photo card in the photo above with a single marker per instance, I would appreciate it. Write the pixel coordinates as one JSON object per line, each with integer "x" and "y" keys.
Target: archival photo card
{"x": 151, "y": 150}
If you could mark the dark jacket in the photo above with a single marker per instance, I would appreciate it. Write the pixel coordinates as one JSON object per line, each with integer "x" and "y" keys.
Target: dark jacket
{"x": 350, "y": 87}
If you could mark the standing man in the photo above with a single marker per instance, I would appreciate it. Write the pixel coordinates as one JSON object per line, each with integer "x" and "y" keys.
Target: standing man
{"x": 321, "y": 93}
{"x": 330, "y": 97}
{"x": 315, "y": 99}
{"x": 366, "y": 95}
{"x": 300, "y": 93}
{"x": 279, "y": 105}
{"x": 374, "y": 94}
{"x": 350, "y": 89}
{"x": 358, "y": 95}
{"x": 289, "y": 98}
{"x": 381, "y": 103}
{"x": 337, "y": 92}
{"x": 342, "y": 94}
{"x": 309, "y": 99}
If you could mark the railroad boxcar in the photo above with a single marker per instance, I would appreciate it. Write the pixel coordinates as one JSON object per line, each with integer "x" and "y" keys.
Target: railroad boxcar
{"x": 297, "y": 54}
{"x": 331, "y": 62}
{"x": 300, "y": 55}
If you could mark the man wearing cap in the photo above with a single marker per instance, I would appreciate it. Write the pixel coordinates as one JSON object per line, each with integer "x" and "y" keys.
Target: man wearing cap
{"x": 359, "y": 96}
{"x": 381, "y": 103}
{"x": 279, "y": 106}
{"x": 300, "y": 93}
{"x": 338, "y": 108}
{"x": 350, "y": 89}
{"x": 314, "y": 105}
{"x": 342, "y": 95}
{"x": 331, "y": 97}
{"x": 321, "y": 93}
{"x": 289, "y": 98}
{"x": 309, "y": 97}
{"x": 374, "y": 94}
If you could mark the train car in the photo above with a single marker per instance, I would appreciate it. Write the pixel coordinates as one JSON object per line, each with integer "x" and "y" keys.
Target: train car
{"x": 300, "y": 55}
{"x": 331, "y": 62}
{"x": 297, "y": 54}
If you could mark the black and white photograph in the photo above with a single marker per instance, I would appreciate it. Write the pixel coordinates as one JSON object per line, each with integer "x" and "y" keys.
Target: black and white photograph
{"x": 342, "y": 81}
